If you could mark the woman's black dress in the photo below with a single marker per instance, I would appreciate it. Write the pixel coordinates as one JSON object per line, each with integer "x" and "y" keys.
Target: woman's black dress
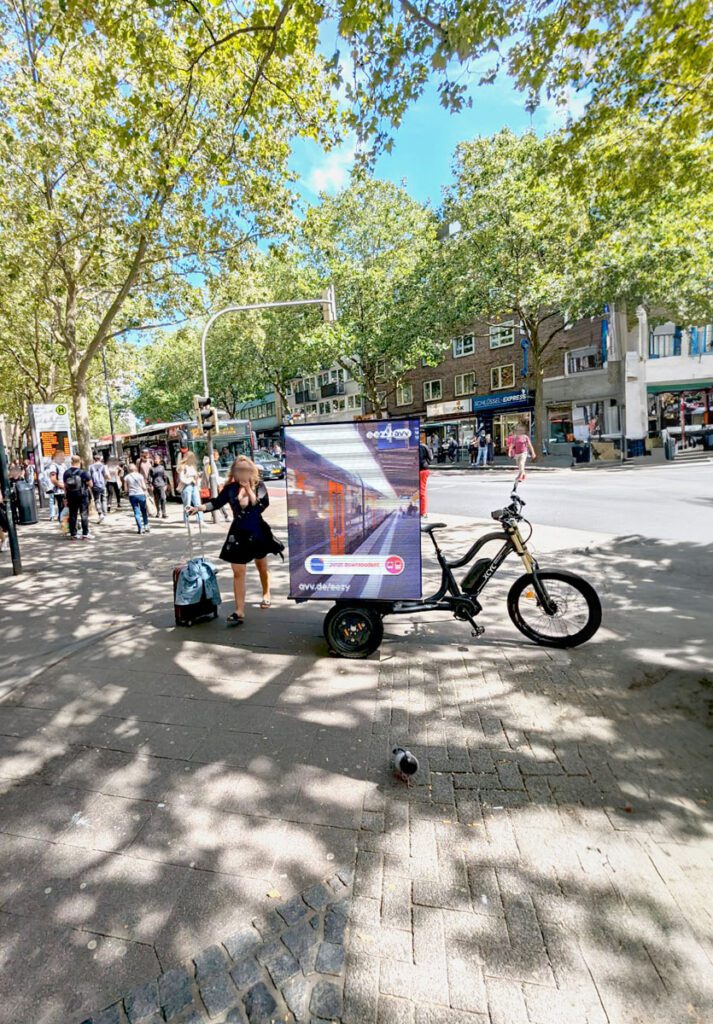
{"x": 249, "y": 536}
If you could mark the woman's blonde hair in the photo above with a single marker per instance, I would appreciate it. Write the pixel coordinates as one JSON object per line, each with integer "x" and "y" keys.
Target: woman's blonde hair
{"x": 189, "y": 459}
{"x": 243, "y": 462}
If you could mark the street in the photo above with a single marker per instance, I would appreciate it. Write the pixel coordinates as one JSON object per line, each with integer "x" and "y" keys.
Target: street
{"x": 186, "y": 815}
{"x": 669, "y": 502}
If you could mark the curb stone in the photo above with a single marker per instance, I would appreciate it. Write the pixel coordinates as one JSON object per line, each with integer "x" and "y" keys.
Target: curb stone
{"x": 287, "y": 967}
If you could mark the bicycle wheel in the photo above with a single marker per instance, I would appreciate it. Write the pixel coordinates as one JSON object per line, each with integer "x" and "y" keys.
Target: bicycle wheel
{"x": 353, "y": 631}
{"x": 577, "y": 613}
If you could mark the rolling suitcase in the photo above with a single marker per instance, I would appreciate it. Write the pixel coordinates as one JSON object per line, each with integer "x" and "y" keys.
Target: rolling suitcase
{"x": 205, "y": 607}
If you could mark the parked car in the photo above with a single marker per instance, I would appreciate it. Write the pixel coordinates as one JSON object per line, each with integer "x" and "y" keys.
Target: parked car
{"x": 270, "y": 467}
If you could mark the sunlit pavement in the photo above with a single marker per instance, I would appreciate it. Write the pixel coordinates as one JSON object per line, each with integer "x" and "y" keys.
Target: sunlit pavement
{"x": 163, "y": 788}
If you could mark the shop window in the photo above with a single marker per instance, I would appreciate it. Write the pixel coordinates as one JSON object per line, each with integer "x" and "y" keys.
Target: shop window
{"x": 560, "y": 423}
{"x": 432, "y": 390}
{"x": 463, "y": 346}
{"x": 404, "y": 394}
{"x": 465, "y": 384}
{"x": 502, "y": 334}
{"x": 502, "y": 377}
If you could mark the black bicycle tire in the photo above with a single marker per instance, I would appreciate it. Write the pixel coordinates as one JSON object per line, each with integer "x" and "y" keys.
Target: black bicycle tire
{"x": 342, "y": 650}
{"x": 587, "y": 591}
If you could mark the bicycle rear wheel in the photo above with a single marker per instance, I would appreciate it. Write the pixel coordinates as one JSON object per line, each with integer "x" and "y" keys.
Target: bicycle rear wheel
{"x": 576, "y": 614}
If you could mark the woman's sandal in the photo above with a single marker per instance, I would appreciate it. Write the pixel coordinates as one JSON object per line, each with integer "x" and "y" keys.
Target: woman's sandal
{"x": 266, "y": 603}
{"x": 235, "y": 619}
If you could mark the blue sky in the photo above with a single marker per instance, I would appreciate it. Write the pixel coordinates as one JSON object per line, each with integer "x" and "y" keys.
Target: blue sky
{"x": 426, "y": 140}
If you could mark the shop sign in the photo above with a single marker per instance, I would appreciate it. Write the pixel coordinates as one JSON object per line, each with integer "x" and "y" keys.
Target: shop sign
{"x": 461, "y": 405}
{"x": 505, "y": 400}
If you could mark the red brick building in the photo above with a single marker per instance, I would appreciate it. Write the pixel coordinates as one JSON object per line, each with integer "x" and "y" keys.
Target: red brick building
{"x": 485, "y": 379}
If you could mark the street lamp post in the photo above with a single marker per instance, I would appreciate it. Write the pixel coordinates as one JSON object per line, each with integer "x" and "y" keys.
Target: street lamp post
{"x": 11, "y": 530}
{"x": 329, "y": 310}
{"x": 109, "y": 405}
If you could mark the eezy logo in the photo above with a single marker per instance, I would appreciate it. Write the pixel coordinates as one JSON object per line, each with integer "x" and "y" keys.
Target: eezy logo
{"x": 389, "y": 434}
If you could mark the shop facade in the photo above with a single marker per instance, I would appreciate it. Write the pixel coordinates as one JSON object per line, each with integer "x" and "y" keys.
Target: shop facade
{"x": 500, "y": 415}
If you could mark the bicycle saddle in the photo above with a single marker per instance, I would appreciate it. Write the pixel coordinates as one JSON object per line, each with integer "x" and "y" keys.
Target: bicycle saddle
{"x": 430, "y": 527}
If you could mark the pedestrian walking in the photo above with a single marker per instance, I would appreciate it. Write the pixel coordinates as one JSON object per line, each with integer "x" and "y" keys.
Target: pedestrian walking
{"x": 77, "y": 484}
{"x": 424, "y": 461}
{"x": 519, "y": 447}
{"x": 97, "y": 472}
{"x": 452, "y": 449}
{"x": 473, "y": 450}
{"x": 205, "y": 487}
{"x": 483, "y": 446}
{"x": 188, "y": 479}
{"x": 55, "y": 475}
{"x": 4, "y": 526}
{"x": 159, "y": 485}
{"x": 136, "y": 488}
{"x": 144, "y": 466}
{"x": 114, "y": 478}
{"x": 249, "y": 538}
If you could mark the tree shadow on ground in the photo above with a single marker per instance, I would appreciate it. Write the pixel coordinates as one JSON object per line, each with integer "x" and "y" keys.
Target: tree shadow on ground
{"x": 161, "y": 787}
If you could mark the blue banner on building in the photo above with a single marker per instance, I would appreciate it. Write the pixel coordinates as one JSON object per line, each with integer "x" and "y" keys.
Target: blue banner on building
{"x": 353, "y": 510}
{"x": 505, "y": 400}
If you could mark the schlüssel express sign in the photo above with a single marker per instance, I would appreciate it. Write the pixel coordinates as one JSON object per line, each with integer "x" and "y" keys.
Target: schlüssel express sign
{"x": 505, "y": 400}
{"x": 352, "y": 510}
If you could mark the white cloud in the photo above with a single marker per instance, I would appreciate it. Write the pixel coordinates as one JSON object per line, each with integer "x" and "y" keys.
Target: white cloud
{"x": 571, "y": 106}
{"x": 333, "y": 172}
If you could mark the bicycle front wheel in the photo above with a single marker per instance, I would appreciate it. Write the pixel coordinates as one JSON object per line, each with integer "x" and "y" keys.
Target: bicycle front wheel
{"x": 574, "y": 615}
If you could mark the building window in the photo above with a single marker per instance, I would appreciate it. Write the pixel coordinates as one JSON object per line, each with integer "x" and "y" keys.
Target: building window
{"x": 581, "y": 359}
{"x": 465, "y": 384}
{"x": 311, "y": 410}
{"x": 354, "y": 402}
{"x": 432, "y": 390}
{"x": 404, "y": 394}
{"x": 380, "y": 369}
{"x": 502, "y": 377}
{"x": 338, "y": 405}
{"x": 502, "y": 334}
{"x": 381, "y": 399}
{"x": 463, "y": 346}
{"x": 324, "y": 408}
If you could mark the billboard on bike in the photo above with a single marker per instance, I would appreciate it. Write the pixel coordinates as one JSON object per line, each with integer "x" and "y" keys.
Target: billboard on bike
{"x": 353, "y": 511}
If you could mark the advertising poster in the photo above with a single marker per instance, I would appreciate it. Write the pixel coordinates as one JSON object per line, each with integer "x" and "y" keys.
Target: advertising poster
{"x": 50, "y": 432}
{"x": 353, "y": 512}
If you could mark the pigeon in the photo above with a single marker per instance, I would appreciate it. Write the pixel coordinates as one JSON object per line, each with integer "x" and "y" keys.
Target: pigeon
{"x": 405, "y": 764}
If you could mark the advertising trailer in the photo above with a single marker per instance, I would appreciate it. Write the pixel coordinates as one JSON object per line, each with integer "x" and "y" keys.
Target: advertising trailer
{"x": 353, "y": 510}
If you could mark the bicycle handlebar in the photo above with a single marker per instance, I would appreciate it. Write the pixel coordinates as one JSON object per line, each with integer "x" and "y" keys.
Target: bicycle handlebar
{"x": 512, "y": 511}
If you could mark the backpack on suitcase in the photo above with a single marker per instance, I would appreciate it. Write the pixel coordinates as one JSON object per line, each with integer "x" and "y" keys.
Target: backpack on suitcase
{"x": 197, "y": 580}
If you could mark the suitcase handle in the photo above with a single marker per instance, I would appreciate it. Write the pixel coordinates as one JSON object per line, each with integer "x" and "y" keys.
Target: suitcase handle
{"x": 190, "y": 536}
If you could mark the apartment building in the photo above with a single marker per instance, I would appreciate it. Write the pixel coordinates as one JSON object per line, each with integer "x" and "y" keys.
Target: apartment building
{"x": 332, "y": 395}
{"x": 484, "y": 381}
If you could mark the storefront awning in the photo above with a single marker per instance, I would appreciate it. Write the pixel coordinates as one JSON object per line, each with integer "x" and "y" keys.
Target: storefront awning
{"x": 686, "y": 385}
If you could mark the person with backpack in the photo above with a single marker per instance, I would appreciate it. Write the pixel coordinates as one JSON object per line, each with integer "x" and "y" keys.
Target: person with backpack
{"x": 159, "y": 485}
{"x": 482, "y": 459}
{"x": 77, "y": 484}
{"x": 424, "y": 461}
{"x": 98, "y": 474}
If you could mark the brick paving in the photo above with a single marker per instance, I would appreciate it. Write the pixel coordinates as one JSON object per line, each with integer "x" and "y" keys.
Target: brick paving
{"x": 171, "y": 820}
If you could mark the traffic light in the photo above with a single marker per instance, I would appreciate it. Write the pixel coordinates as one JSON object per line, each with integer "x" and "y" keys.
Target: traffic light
{"x": 206, "y": 416}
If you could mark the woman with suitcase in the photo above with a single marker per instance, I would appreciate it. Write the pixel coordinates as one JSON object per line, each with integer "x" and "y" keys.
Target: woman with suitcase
{"x": 249, "y": 538}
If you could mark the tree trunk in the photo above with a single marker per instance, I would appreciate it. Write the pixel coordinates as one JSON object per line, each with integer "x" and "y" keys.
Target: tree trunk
{"x": 81, "y": 419}
{"x": 540, "y": 409}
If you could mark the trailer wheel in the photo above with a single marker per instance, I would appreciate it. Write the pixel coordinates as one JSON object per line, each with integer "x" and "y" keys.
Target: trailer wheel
{"x": 353, "y": 631}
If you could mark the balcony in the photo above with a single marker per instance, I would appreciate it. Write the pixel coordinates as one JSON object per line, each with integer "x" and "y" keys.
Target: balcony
{"x": 583, "y": 362}
{"x": 302, "y": 397}
{"x": 661, "y": 346}
{"x": 330, "y": 390}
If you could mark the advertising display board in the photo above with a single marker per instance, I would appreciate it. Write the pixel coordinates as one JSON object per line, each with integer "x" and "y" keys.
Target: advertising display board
{"x": 50, "y": 432}
{"x": 352, "y": 510}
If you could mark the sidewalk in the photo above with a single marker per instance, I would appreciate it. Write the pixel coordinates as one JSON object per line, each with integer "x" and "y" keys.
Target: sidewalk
{"x": 214, "y": 808}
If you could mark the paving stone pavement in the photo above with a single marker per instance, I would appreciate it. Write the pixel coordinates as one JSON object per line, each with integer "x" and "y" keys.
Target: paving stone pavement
{"x": 551, "y": 860}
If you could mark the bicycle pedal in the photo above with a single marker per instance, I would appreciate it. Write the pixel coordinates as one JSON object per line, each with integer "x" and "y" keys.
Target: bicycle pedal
{"x": 477, "y": 631}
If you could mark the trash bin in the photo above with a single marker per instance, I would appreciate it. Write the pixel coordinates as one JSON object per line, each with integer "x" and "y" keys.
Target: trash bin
{"x": 636, "y": 447}
{"x": 581, "y": 453}
{"x": 708, "y": 442}
{"x": 669, "y": 448}
{"x": 25, "y": 503}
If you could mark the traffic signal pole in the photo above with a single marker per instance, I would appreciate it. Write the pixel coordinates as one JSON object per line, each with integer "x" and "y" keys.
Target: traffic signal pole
{"x": 328, "y": 303}
{"x": 11, "y": 530}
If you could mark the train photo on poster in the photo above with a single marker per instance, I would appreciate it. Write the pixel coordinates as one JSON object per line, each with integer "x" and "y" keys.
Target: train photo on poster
{"x": 353, "y": 513}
